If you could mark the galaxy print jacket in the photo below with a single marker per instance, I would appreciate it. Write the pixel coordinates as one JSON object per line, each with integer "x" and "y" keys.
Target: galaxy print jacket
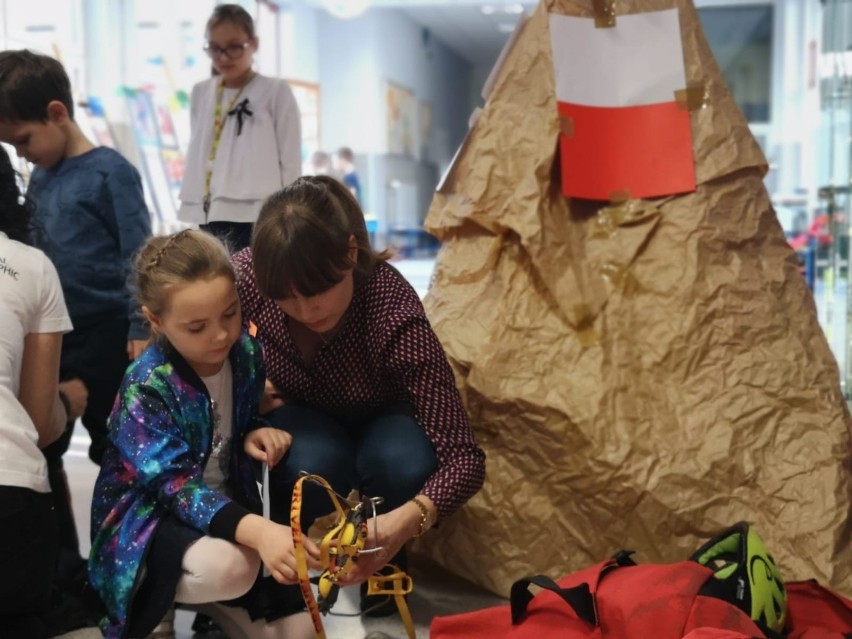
{"x": 160, "y": 433}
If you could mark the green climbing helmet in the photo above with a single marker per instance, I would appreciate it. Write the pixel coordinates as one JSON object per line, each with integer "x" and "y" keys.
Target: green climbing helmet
{"x": 746, "y": 575}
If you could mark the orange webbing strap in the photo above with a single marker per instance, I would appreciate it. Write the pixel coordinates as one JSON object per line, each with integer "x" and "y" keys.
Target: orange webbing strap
{"x": 397, "y": 584}
{"x": 299, "y": 546}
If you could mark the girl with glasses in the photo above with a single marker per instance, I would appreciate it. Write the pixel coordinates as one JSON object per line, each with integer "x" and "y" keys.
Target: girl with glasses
{"x": 245, "y": 141}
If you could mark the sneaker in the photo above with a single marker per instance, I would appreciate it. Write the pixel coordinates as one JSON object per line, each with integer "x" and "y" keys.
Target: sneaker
{"x": 163, "y": 630}
{"x": 377, "y": 605}
{"x": 68, "y": 613}
{"x": 204, "y": 625}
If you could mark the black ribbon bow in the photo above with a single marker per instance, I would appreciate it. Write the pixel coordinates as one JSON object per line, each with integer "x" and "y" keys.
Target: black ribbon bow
{"x": 241, "y": 111}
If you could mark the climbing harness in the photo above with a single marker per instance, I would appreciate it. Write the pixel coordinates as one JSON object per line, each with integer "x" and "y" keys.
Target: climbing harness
{"x": 339, "y": 552}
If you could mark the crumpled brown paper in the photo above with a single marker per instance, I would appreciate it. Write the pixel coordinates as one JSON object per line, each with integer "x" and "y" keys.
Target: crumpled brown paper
{"x": 641, "y": 375}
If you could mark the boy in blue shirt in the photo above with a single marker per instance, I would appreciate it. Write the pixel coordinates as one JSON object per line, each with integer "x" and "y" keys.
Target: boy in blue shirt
{"x": 90, "y": 219}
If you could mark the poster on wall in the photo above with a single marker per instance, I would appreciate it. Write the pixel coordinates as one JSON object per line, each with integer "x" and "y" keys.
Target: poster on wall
{"x": 401, "y": 114}
{"x": 170, "y": 151}
{"x": 159, "y": 166}
{"x": 94, "y": 122}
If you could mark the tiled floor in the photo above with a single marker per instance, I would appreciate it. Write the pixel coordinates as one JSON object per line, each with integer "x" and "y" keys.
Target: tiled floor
{"x": 436, "y": 593}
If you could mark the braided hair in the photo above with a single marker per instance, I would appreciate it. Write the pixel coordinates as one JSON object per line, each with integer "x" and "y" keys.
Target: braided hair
{"x": 168, "y": 261}
{"x": 16, "y": 210}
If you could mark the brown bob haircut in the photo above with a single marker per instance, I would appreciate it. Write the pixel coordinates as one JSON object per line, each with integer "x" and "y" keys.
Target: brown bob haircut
{"x": 303, "y": 235}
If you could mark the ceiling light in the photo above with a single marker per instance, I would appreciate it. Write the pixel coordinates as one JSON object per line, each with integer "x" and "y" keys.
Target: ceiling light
{"x": 487, "y": 9}
{"x": 505, "y": 27}
{"x": 346, "y": 9}
{"x": 514, "y": 9}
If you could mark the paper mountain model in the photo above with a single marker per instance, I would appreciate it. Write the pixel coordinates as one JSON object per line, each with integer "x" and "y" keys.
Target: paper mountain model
{"x": 642, "y": 370}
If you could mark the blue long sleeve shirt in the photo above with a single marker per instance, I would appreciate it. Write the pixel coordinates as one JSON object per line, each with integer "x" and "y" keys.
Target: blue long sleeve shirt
{"x": 91, "y": 218}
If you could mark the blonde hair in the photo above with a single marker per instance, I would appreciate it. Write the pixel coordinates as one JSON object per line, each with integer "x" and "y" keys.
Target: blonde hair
{"x": 173, "y": 260}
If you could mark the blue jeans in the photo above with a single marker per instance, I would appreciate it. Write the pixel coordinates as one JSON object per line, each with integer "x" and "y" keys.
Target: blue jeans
{"x": 382, "y": 454}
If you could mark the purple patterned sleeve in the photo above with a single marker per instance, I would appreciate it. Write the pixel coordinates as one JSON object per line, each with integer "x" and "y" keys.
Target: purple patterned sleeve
{"x": 414, "y": 354}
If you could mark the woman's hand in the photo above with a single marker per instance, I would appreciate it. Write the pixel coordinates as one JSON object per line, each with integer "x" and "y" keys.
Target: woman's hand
{"x": 394, "y": 529}
{"x": 274, "y": 543}
{"x": 267, "y": 444}
{"x": 271, "y": 399}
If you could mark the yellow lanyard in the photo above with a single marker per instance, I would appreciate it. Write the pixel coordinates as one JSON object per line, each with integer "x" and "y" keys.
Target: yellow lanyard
{"x": 218, "y": 125}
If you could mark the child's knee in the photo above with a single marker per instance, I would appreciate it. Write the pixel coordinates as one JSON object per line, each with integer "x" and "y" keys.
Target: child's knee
{"x": 217, "y": 570}
{"x": 238, "y": 572}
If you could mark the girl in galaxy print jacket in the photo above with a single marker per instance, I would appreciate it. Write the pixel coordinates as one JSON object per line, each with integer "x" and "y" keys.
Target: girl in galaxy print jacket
{"x": 172, "y": 513}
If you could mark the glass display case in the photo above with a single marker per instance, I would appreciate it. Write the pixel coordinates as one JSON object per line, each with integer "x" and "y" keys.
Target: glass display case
{"x": 835, "y": 172}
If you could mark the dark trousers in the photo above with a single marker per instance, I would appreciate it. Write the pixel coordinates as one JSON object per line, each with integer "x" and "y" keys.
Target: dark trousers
{"x": 385, "y": 454}
{"x": 235, "y": 235}
{"x": 28, "y": 556}
{"x": 96, "y": 352}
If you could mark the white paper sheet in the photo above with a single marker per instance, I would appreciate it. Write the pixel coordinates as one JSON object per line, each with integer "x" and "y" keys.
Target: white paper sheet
{"x": 636, "y": 63}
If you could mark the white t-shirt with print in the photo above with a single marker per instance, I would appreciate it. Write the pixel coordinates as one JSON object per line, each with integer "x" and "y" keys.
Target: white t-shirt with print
{"x": 221, "y": 389}
{"x": 31, "y": 301}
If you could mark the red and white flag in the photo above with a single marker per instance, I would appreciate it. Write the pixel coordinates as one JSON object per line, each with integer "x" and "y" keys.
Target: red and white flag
{"x": 624, "y": 134}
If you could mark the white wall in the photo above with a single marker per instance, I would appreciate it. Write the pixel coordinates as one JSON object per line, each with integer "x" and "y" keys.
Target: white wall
{"x": 300, "y": 43}
{"x": 380, "y": 46}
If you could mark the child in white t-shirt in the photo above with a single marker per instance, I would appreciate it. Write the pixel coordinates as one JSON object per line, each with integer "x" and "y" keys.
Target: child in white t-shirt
{"x": 34, "y": 317}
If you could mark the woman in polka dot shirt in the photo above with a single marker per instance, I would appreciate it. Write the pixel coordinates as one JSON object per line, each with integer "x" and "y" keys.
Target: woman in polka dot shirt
{"x": 355, "y": 373}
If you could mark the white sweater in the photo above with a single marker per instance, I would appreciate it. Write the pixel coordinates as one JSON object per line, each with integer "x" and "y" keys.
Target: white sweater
{"x": 249, "y": 167}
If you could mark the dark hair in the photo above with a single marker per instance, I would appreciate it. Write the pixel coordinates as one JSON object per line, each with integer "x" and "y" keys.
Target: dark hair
{"x": 15, "y": 210}
{"x": 28, "y": 83}
{"x": 302, "y": 238}
{"x": 231, "y": 13}
{"x": 346, "y": 153}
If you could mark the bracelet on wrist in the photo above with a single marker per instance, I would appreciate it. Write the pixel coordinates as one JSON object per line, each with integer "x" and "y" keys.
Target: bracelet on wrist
{"x": 425, "y": 518}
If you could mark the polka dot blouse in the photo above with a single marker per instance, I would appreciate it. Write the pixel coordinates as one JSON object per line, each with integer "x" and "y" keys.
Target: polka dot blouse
{"x": 386, "y": 351}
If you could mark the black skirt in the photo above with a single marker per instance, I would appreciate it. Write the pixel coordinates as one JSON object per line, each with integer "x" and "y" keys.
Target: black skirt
{"x": 267, "y": 599}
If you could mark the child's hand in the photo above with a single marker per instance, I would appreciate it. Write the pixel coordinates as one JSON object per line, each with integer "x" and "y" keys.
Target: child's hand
{"x": 267, "y": 444}
{"x": 77, "y": 394}
{"x": 274, "y": 544}
{"x": 271, "y": 399}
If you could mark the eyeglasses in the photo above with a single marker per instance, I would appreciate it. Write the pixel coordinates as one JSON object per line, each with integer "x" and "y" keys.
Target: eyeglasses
{"x": 232, "y": 51}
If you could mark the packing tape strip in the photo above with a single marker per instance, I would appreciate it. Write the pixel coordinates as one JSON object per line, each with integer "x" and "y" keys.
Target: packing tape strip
{"x": 586, "y": 333}
{"x": 620, "y": 197}
{"x": 604, "y": 11}
{"x": 622, "y": 279}
{"x": 566, "y": 126}
{"x": 692, "y": 98}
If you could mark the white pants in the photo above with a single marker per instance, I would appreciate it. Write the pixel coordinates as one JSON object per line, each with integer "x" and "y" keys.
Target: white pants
{"x": 218, "y": 570}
